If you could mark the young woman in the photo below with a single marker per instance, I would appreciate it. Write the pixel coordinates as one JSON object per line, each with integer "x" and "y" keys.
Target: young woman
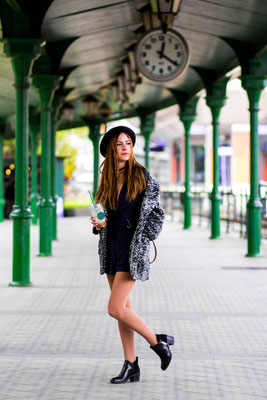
{"x": 130, "y": 197}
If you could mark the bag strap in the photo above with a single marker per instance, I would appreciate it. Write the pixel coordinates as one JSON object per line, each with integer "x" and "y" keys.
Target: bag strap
{"x": 156, "y": 253}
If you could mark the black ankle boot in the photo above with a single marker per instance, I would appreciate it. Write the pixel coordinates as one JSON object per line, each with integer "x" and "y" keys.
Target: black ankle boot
{"x": 130, "y": 371}
{"x": 165, "y": 338}
{"x": 162, "y": 349}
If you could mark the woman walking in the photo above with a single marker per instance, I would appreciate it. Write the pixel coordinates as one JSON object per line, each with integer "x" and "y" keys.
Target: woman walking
{"x": 130, "y": 197}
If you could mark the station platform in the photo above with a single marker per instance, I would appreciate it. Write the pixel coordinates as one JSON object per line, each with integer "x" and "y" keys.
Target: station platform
{"x": 57, "y": 340}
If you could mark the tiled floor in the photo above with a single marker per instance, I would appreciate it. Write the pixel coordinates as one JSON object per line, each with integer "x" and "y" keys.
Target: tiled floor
{"x": 57, "y": 340}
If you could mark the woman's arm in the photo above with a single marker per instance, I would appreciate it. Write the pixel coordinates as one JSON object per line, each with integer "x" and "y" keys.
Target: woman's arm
{"x": 155, "y": 218}
{"x": 98, "y": 225}
{"x": 154, "y": 223}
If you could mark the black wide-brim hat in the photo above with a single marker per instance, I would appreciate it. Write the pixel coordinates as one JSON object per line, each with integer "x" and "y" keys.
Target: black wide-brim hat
{"x": 113, "y": 132}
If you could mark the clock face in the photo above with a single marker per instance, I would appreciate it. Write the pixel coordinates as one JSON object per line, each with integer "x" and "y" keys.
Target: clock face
{"x": 162, "y": 56}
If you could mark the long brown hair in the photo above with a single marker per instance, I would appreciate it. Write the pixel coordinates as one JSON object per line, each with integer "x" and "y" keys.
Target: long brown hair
{"x": 107, "y": 193}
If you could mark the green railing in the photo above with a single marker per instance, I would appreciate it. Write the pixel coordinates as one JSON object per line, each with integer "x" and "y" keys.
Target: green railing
{"x": 233, "y": 208}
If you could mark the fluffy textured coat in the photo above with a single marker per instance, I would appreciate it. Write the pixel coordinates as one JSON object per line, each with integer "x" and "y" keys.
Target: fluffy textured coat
{"x": 148, "y": 228}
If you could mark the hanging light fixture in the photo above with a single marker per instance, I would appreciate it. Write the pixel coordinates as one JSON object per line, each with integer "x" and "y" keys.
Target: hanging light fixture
{"x": 135, "y": 74}
{"x": 127, "y": 74}
{"x": 104, "y": 110}
{"x": 150, "y": 19}
{"x": 122, "y": 86}
{"x": 67, "y": 112}
{"x": 90, "y": 104}
{"x": 165, "y": 10}
{"x": 115, "y": 90}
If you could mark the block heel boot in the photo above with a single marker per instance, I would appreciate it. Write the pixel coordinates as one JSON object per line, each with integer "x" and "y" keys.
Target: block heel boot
{"x": 162, "y": 349}
{"x": 130, "y": 372}
{"x": 165, "y": 338}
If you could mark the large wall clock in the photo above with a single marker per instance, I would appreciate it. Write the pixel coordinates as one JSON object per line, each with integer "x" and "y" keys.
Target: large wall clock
{"x": 162, "y": 56}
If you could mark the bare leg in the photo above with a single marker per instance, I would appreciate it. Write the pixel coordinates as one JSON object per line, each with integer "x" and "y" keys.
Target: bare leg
{"x": 126, "y": 333}
{"x": 121, "y": 288}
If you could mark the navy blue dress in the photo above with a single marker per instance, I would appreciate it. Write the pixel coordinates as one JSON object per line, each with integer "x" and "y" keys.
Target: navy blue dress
{"x": 121, "y": 226}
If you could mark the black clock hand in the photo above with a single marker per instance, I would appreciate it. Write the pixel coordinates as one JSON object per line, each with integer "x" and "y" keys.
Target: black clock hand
{"x": 161, "y": 50}
{"x": 171, "y": 61}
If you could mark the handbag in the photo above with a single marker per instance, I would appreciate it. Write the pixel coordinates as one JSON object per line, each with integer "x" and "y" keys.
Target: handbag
{"x": 156, "y": 253}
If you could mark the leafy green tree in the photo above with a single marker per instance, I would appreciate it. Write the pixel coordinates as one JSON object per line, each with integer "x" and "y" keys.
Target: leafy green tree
{"x": 9, "y": 147}
{"x": 66, "y": 146}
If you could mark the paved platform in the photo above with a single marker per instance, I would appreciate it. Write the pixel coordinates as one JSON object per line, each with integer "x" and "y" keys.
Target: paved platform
{"x": 57, "y": 340}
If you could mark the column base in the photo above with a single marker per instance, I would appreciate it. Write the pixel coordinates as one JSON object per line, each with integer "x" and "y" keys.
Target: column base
{"x": 254, "y": 255}
{"x": 44, "y": 255}
{"x": 214, "y": 237}
{"x": 20, "y": 284}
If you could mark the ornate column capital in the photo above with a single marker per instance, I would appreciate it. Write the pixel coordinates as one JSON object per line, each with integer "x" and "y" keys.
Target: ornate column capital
{"x": 22, "y": 53}
{"x": 46, "y": 85}
{"x": 187, "y": 112}
{"x": 147, "y": 122}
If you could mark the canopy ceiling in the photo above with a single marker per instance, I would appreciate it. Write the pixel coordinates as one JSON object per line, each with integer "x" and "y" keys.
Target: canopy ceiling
{"x": 87, "y": 39}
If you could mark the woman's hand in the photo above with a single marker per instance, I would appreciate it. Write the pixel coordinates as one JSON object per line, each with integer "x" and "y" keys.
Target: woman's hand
{"x": 98, "y": 224}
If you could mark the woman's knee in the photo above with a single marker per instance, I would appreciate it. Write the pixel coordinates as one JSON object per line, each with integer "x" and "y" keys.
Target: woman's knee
{"x": 115, "y": 311}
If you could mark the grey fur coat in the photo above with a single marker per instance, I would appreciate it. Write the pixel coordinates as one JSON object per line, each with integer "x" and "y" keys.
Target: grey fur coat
{"x": 148, "y": 228}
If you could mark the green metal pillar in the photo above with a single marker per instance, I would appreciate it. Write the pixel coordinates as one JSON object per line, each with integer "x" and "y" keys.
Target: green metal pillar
{"x": 34, "y": 130}
{"x": 2, "y": 200}
{"x": 46, "y": 85}
{"x": 55, "y": 107}
{"x": 215, "y": 101}
{"x": 147, "y": 126}
{"x": 254, "y": 85}
{"x": 187, "y": 116}
{"x": 94, "y": 136}
{"x": 22, "y": 53}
